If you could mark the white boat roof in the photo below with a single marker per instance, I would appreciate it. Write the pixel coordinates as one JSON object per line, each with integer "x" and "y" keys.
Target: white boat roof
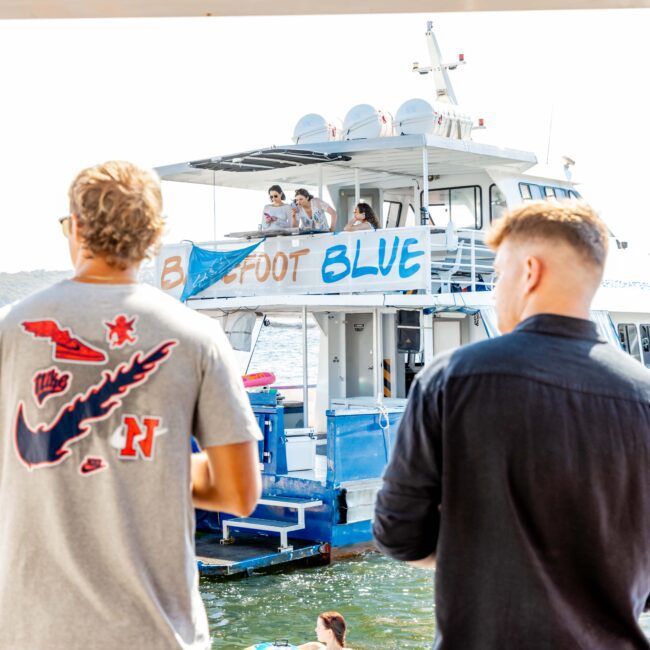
{"x": 160, "y": 8}
{"x": 378, "y": 160}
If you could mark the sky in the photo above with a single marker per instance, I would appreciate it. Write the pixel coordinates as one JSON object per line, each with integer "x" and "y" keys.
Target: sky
{"x": 162, "y": 91}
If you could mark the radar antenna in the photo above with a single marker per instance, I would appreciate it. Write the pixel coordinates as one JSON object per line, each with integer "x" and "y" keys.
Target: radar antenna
{"x": 444, "y": 89}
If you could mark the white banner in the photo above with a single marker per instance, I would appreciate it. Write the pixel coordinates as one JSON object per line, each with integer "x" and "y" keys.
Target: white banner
{"x": 395, "y": 259}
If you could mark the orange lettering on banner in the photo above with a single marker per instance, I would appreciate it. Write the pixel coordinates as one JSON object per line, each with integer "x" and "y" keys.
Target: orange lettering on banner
{"x": 267, "y": 269}
{"x": 246, "y": 265}
{"x": 285, "y": 265}
{"x": 172, "y": 265}
{"x": 295, "y": 256}
{"x": 230, "y": 277}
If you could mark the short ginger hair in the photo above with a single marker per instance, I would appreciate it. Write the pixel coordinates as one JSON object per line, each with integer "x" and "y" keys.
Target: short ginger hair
{"x": 119, "y": 212}
{"x": 572, "y": 222}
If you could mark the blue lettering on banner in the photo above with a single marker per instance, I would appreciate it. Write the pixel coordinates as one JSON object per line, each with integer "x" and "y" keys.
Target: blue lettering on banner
{"x": 337, "y": 265}
{"x": 385, "y": 270}
{"x": 359, "y": 271}
{"x": 335, "y": 255}
{"x": 406, "y": 255}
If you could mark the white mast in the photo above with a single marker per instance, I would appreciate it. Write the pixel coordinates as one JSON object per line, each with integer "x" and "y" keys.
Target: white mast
{"x": 444, "y": 90}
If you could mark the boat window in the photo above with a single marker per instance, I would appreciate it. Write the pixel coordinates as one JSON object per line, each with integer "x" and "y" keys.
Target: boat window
{"x": 645, "y": 344}
{"x": 574, "y": 195}
{"x": 498, "y": 203}
{"x": 409, "y": 221}
{"x": 561, "y": 193}
{"x": 549, "y": 192}
{"x": 462, "y": 204}
{"x": 524, "y": 190}
{"x": 439, "y": 207}
{"x": 629, "y": 337}
{"x": 392, "y": 210}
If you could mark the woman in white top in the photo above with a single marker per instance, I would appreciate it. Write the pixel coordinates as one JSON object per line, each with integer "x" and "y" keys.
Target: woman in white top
{"x": 311, "y": 213}
{"x": 277, "y": 215}
{"x": 364, "y": 219}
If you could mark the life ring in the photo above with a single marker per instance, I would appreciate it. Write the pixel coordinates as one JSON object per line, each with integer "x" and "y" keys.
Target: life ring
{"x": 258, "y": 379}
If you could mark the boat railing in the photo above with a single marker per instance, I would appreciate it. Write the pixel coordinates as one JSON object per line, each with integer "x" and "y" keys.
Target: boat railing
{"x": 460, "y": 261}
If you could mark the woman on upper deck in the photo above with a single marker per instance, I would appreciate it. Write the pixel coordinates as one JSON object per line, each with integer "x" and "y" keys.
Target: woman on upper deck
{"x": 277, "y": 215}
{"x": 364, "y": 219}
{"x": 311, "y": 213}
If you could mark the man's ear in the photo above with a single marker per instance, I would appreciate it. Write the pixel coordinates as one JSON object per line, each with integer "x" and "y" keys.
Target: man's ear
{"x": 534, "y": 269}
{"x": 74, "y": 227}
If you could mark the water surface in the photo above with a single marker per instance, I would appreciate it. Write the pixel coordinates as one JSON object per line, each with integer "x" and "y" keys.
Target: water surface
{"x": 387, "y": 605}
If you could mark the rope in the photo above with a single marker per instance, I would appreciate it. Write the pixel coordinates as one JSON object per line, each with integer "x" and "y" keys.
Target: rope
{"x": 384, "y": 425}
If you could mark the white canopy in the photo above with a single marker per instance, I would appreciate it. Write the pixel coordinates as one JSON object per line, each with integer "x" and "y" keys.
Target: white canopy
{"x": 379, "y": 161}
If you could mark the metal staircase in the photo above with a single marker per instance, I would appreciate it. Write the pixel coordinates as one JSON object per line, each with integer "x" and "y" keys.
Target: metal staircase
{"x": 272, "y": 525}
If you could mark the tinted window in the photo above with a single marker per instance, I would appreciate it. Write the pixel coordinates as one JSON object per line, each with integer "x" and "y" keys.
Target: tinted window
{"x": 410, "y": 218}
{"x": 392, "y": 212}
{"x": 645, "y": 344}
{"x": 524, "y": 190}
{"x": 462, "y": 204}
{"x": 629, "y": 338}
{"x": 549, "y": 192}
{"x": 498, "y": 203}
{"x": 561, "y": 193}
{"x": 573, "y": 194}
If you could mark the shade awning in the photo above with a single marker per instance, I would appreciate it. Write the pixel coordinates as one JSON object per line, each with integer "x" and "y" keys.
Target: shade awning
{"x": 267, "y": 159}
{"x": 376, "y": 161}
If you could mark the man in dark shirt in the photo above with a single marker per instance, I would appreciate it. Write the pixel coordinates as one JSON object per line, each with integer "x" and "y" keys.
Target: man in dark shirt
{"x": 522, "y": 464}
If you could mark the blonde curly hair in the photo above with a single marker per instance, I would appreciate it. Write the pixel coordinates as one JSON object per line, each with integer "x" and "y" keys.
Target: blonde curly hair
{"x": 118, "y": 208}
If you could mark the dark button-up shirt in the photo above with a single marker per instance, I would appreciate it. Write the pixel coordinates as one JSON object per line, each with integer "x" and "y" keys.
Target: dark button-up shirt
{"x": 523, "y": 462}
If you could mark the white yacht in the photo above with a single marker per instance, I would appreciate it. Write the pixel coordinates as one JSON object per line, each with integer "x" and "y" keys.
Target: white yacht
{"x": 385, "y": 301}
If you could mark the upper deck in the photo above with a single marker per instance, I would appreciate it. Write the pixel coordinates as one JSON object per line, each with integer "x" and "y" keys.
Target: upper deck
{"x": 386, "y": 162}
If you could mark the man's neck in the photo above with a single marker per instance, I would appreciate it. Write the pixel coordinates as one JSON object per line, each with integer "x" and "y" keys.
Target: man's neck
{"x": 98, "y": 271}
{"x": 571, "y": 308}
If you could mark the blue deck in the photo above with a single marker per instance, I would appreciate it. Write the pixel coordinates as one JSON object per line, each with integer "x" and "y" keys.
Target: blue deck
{"x": 357, "y": 448}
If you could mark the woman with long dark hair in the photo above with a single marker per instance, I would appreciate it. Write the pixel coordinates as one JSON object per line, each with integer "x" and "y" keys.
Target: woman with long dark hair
{"x": 364, "y": 219}
{"x": 311, "y": 212}
{"x": 277, "y": 214}
{"x": 330, "y": 632}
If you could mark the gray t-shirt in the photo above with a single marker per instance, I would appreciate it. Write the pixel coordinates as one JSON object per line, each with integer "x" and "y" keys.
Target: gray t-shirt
{"x": 100, "y": 388}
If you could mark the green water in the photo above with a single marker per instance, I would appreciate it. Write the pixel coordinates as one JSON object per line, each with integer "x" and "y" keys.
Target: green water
{"x": 386, "y": 604}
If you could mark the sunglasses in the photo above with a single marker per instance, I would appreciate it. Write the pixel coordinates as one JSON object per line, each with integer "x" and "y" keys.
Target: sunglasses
{"x": 65, "y": 225}
{"x": 274, "y": 196}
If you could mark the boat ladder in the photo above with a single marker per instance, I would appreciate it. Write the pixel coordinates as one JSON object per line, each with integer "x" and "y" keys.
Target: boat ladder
{"x": 273, "y": 525}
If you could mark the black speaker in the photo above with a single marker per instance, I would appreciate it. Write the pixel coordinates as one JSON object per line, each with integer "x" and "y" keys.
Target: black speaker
{"x": 408, "y": 331}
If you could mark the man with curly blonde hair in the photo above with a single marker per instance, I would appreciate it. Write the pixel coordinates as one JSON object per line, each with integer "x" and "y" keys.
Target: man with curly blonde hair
{"x": 522, "y": 464}
{"x": 103, "y": 380}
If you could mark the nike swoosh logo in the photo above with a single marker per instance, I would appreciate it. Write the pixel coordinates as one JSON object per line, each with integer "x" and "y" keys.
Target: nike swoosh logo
{"x": 48, "y": 445}
{"x": 92, "y": 465}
